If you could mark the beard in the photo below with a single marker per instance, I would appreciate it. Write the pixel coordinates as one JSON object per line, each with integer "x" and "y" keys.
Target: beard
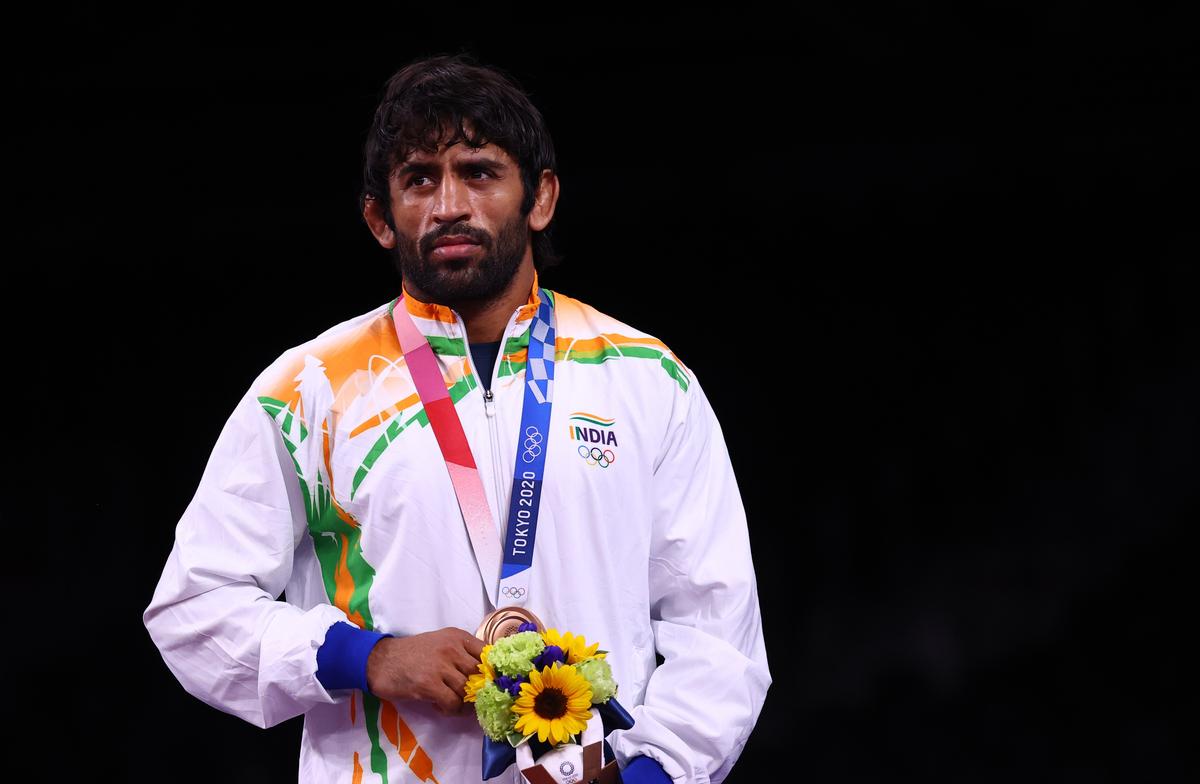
{"x": 483, "y": 277}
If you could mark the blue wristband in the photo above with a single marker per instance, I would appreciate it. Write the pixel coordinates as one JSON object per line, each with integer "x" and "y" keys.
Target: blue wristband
{"x": 342, "y": 658}
{"x": 644, "y": 770}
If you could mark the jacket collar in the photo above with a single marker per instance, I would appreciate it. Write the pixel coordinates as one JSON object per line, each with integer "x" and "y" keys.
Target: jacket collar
{"x": 436, "y": 319}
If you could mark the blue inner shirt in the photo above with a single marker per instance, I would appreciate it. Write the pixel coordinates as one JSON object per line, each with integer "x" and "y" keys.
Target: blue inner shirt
{"x": 484, "y": 356}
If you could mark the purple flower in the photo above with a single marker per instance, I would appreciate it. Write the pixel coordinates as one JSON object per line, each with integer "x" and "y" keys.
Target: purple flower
{"x": 528, "y": 626}
{"x": 512, "y": 685}
{"x": 547, "y": 657}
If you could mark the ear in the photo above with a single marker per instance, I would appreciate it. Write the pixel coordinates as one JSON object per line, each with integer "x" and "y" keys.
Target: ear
{"x": 544, "y": 201}
{"x": 373, "y": 214}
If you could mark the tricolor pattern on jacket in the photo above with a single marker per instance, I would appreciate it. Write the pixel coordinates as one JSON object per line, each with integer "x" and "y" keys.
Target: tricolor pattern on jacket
{"x": 335, "y": 494}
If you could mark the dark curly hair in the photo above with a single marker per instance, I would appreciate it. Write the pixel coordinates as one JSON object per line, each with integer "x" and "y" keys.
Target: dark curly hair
{"x": 428, "y": 98}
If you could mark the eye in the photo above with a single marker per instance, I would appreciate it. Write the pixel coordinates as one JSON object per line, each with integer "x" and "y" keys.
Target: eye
{"x": 415, "y": 177}
{"x": 482, "y": 171}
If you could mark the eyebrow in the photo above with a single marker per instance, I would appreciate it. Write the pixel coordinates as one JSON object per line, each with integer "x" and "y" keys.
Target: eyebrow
{"x": 473, "y": 161}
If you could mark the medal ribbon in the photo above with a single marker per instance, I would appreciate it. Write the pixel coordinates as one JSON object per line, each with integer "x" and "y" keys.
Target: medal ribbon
{"x": 517, "y": 556}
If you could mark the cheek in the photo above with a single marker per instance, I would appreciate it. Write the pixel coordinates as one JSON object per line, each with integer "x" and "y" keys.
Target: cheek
{"x": 405, "y": 239}
{"x": 501, "y": 203}
{"x": 407, "y": 225}
{"x": 499, "y": 212}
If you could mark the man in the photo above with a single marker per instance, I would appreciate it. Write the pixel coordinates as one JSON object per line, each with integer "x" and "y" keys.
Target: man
{"x": 329, "y": 484}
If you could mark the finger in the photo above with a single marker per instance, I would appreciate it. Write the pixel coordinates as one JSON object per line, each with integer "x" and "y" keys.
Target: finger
{"x": 456, "y": 682}
{"x": 462, "y": 662}
{"x": 473, "y": 645}
{"x": 448, "y": 701}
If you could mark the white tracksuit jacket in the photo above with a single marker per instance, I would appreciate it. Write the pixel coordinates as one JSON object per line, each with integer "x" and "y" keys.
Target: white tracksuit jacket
{"x": 327, "y": 486}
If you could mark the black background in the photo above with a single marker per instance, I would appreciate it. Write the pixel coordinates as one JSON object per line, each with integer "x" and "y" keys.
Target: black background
{"x": 936, "y": 272}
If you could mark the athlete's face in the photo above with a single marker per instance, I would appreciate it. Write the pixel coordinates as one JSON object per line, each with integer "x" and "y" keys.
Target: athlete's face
{"x": 459, "y": 234}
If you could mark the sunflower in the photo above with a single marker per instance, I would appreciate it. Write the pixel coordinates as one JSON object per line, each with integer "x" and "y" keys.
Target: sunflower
{"x": 485, "y": 675}
{"x": 576, "y": 648}
{"x": 556, "y": 703}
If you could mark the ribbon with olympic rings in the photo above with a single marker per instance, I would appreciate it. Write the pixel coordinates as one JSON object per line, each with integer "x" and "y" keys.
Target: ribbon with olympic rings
{"x": 517, "y": 556}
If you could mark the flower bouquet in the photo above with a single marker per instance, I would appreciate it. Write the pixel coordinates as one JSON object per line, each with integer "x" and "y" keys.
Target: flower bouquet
{"x": 538, "y": 695}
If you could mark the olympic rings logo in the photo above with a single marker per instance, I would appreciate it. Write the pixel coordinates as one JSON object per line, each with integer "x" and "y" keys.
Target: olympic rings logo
{"x": 512, "y": 592}
{"x": 597, "y": 456}
{"x": 533, "y": 444}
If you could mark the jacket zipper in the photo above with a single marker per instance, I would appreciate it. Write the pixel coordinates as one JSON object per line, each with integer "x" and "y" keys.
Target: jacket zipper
{"x": 489, "y": 409}
{"x": 489, "y": 406}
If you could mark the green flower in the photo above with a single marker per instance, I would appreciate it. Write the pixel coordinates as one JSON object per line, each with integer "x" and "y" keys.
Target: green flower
{"x": 513, "y": 655}
{"x": 493, "y": 709}
{"x": 599, "y": 675}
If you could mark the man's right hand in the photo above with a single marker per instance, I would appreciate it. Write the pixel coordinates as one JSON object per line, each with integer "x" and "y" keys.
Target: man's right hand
{"x": 431, "y": 667}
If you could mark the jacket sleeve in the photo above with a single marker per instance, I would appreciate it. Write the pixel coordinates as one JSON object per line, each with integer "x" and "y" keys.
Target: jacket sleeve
{"x": 215, "y": 615}
{"x": 703, "y": 701}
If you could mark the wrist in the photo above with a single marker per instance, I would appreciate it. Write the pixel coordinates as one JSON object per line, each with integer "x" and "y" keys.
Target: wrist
{"x": 342, "y": 657}
{"x": 644, "y": 770}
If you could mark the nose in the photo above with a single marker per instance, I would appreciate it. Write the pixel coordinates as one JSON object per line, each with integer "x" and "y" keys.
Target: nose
{"x": 451, "y": 202}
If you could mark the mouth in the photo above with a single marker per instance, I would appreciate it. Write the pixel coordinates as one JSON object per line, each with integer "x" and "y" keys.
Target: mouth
{"x": 457, "y": 247}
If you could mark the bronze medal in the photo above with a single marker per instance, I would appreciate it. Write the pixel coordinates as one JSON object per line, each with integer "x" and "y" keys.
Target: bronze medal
{"x": 504, "y": 621}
